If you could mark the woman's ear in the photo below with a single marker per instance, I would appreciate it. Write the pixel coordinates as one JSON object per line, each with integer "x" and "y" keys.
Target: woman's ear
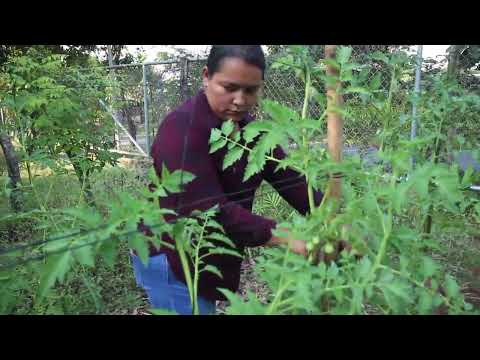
{"x": 205, "y": 76}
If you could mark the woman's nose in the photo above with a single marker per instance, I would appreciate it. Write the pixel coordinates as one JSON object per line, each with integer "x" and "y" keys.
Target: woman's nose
{"x": 239, "y": 98}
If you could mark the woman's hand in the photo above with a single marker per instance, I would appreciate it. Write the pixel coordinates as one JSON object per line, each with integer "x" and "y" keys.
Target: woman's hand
{"x": 296, "y": 245}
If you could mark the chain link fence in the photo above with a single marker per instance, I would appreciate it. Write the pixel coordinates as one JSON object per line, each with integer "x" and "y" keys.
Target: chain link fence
{"x": 150, "y": 91}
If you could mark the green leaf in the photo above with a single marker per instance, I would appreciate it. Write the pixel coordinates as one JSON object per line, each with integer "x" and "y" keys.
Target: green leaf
{"x": 237, "y": 137}
{"x": 109, "y": 250}
{"x": 249, "y": 134}
{"x": 251, "y": 169}
{"x": 223, "y": 251}
{"x": 55, "y": 268}
{"x": 215, "y": 135}
{"x": 140, "y": 244}
{"x": 222, "y": 238}
{"x": 332, "y": 271}
{"x": 217, "y": 145}
{"x": 451, "y": 287}
{"x": 227, "y": 127}
{"x": 343, "y": 54}
{"x": 467, "y": 177}
{"x": 429, "y": 268}
{"x": 162, "y": 312}
{"x": 376, "y": 81}
{"x": 357, "y": 299}
{"x": 356, "y": 90}
{"x": 400, "y": 289}
{"x": 216, "y": 225}
{"x": 214, "y": 270}
{"x": 232, "y": 156}
{"x": 364, "y": 268}
{"x": 176, "y": 179}
{"x": 331, "y": 62}
{"x": 425, "y": 302}
{"x": 84, "y": 255}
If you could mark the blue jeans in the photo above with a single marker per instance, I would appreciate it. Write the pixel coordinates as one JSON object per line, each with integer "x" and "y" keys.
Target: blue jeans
{"x": 164, "y": 290}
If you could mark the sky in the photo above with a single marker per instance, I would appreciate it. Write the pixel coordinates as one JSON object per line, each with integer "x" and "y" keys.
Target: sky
{"x": 429, "y": 51}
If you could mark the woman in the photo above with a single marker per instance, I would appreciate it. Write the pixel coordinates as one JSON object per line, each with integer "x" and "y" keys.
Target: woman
{"x": 232, "y": 81}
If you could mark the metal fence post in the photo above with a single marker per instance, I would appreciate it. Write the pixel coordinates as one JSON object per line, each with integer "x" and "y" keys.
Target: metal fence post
{"x": 116, "y": 136}
{"x": 145, "y": 109}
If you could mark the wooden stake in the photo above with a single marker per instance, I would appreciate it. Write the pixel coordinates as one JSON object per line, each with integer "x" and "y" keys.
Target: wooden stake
{"x": 334, "y": 123}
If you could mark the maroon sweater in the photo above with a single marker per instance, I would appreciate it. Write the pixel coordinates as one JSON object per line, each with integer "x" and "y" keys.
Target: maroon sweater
{"x": 195, "y": 119}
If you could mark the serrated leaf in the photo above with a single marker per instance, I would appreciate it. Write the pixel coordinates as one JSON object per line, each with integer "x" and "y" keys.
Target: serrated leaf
{"x": 236, "y": 137}
{"x": 217, "y": 145}
{"x": 84, "y": 255}
{"x": 251, "y": 169}
{"x": 232, "y": 156}
{"x": 214, "y": 270}
{"x": 215, "y": 135}
{"x": 223, "y": 251}
{"x": 451, "y": 287}
{"x": 109, "y": 250}
{"x": 175, "y": 180}
{"x": 222, "y": 238}
{"x": 364, "y": 268}
{"x": 429, "y": 268}
{"x": 356, "y": 90}
{"x": 343, "y": 54}
{"x": 332, "y": 271}
{"x": 216, "y": 225}
{"x": 55, "y": 268}
{"x": 399, "y": 289}
{"x": 331, "y": 62}
{"x": 227, "y": 127}
{"x": 140, "y": 244}
{"x": 162, "y": 312}
{"x": 376, "y": 81}
{"x": 425, "y": 302}
{"x": 467, "y": 177}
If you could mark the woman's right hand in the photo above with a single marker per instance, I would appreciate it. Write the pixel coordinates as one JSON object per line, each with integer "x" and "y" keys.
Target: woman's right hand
{"x": 296, "y": 245}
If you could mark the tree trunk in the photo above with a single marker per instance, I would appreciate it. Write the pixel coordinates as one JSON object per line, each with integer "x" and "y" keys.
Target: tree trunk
{"x": 452, "y": 62}
{"x": 13, "y": 169}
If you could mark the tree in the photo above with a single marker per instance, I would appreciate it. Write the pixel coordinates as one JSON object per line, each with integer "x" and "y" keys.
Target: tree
{"x": 55, "y": 110}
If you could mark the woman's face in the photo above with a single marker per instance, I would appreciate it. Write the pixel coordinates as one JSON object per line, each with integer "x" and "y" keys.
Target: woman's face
{"x": 233, "y": 90}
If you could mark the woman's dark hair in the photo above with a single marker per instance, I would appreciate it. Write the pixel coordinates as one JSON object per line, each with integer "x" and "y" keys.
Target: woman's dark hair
{"x": 252, "y": 54}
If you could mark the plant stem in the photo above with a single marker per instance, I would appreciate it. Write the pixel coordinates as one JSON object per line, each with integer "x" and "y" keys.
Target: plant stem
{"x": 308, "y": 80}
{"x": 186, "y": 269}
{"x": 281, "y": 288}
{"x": 248, "y": 149}
{"x": 197, "y": 273}
{"x": 29, "y": 171}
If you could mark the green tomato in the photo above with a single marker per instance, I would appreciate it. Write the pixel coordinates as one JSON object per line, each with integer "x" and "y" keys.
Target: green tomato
{"x": 328, "y": 248}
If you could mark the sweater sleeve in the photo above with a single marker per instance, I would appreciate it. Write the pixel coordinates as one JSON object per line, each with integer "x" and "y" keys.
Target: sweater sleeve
{"x": 205, "y": 191}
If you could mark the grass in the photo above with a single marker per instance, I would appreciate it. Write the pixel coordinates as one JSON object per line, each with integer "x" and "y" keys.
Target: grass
{"x": 102, "y": 290}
